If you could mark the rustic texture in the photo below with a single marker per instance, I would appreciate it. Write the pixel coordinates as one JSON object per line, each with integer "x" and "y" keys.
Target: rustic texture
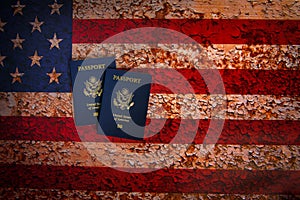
{"x": 188, "y": 106}
{"x": 195, "y": 9}
{"x": 23, "y": 193}
{"x": 222, "y": 56}
{"x": 247, "y": 156}
{"x": 242, "y": 107}
{"x": 260, "y": 132}
{"x": 152, "y": 156}
{"x": 51, "y": 104}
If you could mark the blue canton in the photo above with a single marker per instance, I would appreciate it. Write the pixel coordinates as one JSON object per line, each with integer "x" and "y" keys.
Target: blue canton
{"x": 35, "y": 45}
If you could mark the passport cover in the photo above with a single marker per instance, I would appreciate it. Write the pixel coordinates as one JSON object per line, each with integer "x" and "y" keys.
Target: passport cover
{"x": 124, "y": 104}
{"x": 87, "y": 88}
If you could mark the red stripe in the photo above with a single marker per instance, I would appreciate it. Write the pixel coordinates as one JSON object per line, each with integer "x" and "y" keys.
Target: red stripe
{"x": 264, "y": 82}
{"x": 234, "y": 131}
{"x": 164, "y": 180}
{"x": 222, "y": 31}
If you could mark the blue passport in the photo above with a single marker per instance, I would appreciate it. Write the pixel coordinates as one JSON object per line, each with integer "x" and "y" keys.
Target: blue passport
{"x": 87, "y": 79}
{"x": 124, "y": 104}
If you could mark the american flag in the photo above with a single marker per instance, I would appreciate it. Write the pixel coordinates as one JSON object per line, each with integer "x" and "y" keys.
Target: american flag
{"x": 253, "y": 45}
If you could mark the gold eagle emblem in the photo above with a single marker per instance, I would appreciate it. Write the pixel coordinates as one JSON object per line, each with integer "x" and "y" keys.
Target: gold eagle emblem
{"x": 124, "y": 99}
{"x": 92, "y": 87}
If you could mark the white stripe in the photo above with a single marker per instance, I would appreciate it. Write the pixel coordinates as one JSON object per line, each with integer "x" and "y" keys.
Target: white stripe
{"x": 222, "y": 56}
{"x": 140, "y": 155}
{"x": 24, "y": 193}
{"x": 185, "y": 106}
{"x": 192, "y": 9}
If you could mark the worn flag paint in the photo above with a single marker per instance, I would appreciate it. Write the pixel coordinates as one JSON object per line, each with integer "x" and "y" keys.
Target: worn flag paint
{"x": 35, "y": 44}
{"x": 253, "y": 46}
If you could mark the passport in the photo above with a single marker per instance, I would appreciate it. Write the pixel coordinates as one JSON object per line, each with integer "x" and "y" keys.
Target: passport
{"x": 124, "y": 104}
{"x": 87, "y": 79}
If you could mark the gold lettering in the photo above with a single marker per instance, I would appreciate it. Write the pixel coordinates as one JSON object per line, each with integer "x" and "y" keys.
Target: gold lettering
{"x": 119, "y": 125}
{"x": 126, "y": 117}
{"x": 90, "y": 67}
{"x": 121, "y": 118}
{"x": 116, "y": 115}
{"x": 95, "y": 114}
{"x": 93, "y": 106}
{"x": 127, "y": 79}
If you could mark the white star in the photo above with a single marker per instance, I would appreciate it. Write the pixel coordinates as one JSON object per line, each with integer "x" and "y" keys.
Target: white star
{"x": 55, "y": 7}
{"x": 54, "y": 76}
{"x": 16, "y": 76}
{"x": 1, "y": 25}
{"x": 36, "y": 25}
{"x": 18, "y": 42}
{"x": 54, "y": 41}
{"x": 35, "y": 59}
{"x": 18, "y": 8}
{"x": 1, "y": 60}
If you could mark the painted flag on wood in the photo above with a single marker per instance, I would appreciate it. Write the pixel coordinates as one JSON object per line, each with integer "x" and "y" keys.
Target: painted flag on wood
{"x": 252, "y": 46}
